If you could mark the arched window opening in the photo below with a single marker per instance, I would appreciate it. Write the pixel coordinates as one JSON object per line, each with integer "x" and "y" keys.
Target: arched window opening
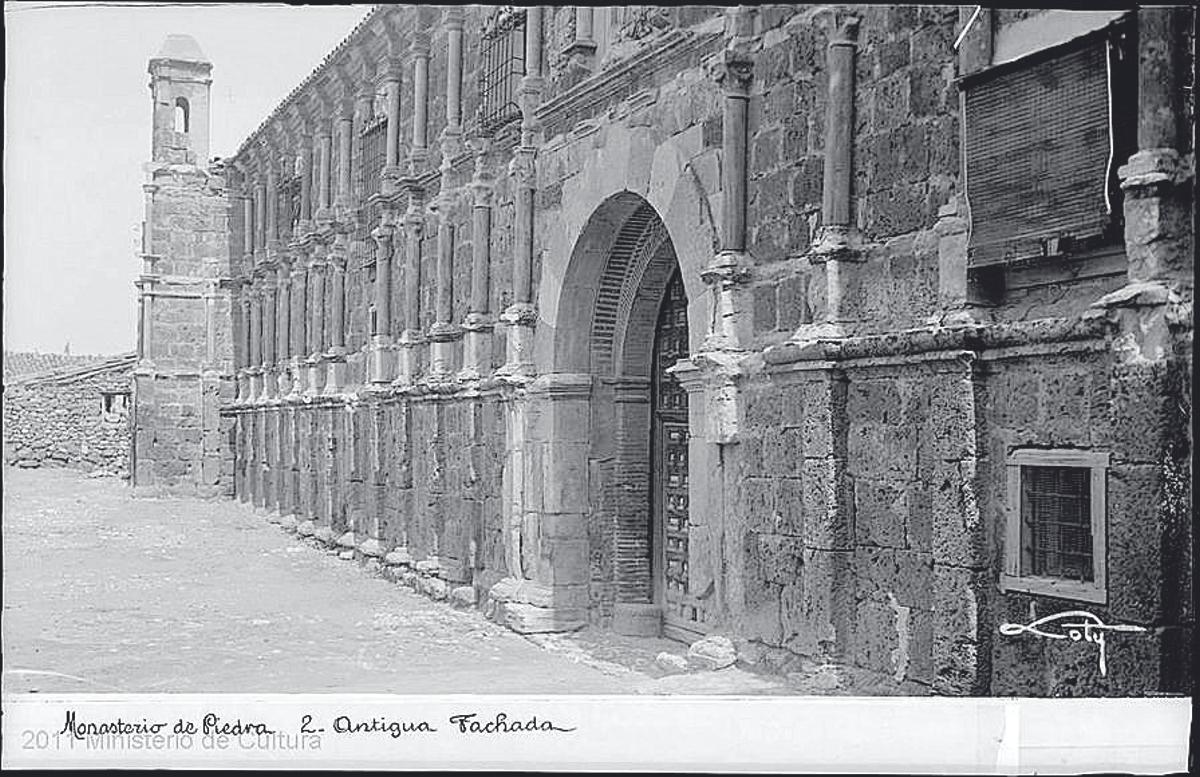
{"x": 182, "y": 117}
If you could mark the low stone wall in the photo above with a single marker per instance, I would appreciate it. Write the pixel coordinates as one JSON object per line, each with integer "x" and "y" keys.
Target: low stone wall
{"x": 67, "y": 421}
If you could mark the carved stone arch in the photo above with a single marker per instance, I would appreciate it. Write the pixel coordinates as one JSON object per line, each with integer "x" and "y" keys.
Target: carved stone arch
{"x": 633, "y": 166}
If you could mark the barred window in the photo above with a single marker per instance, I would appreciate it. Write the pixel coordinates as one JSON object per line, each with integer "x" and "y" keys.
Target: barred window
{"x": 502, "y": 65}
{"x": 1044, "y": 136}
{"x": 1055, "y": 539}
{"x": 374, "y": 155}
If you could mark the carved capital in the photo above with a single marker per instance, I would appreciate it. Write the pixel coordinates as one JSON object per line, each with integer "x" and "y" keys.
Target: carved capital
{"x": 420, "y": 44}
{"x": 846, "y": 33}
{"x": 1157, "y": 168}
{"x": 523, "y": 167}
{"x": 728, "y": 268}
{"x": 519, "y": 314}
{"x": 738, "y": 73}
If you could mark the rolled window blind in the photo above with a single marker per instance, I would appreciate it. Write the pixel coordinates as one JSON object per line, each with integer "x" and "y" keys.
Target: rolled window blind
{"x": 1038, "y": 140}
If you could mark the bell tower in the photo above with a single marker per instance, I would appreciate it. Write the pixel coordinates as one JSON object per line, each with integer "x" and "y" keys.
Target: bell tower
{"x": 185, "y": 352}
{"x": 180, "y": 81}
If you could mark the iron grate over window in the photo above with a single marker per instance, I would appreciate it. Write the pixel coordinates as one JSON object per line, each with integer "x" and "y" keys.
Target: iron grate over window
{"x": 502, "y": 65}
{"x": 1056, "y": 522}
{"x": 374, "y": 155}
{"x": 1043, "y": 139}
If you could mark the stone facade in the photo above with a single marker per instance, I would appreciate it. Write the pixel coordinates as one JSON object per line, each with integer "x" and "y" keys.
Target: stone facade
{"x": 451, "y": 359}
{"x": 75, "y": 416}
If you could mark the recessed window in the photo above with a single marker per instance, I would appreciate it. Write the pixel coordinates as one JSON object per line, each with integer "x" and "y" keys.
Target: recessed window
{"x": 1055, "y": 538}
{"x": 114, "y": 401}
{"x": 502, "y": 57}
{"x": 1044, "y": 136}
{"x": 182, "y": 115}
{"x": 373, "y": 156}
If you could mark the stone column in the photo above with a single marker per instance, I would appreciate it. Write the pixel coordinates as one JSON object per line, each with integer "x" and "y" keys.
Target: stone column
{"x": 345, "y": 126}
{"x": 256, "y": 379}
{"x": 299, "y": 328}
{"x": 260, "y": 222}
{"x": 381, "y": 335}
{"x": 583, "y": 24}
{"x": 317, "y": 328}
{"x": 443, "y": 333}
{"x": 839, "y": 134}
{"x": 272, "y": 207}
{"x": 477, "y": 347}
{"x": 247, "y": 262}
{"x": 269, "y": 284}
{"x": 454, "y": 65}
{"x": 1158, "y": 180}
{"x": 306, "y": 177}
{"x": 391, "y": 170}
{"x": 325, "y": 151}
{"x": 580, "y": 51}
{"x": 420, "y": 142}
{"x": 834, "y": 245}
{"x": 244, "y": 389}
{"x": 283, "y": 326}
{"x": 521, "y": 315}
{"x": 335, "y": 379}
{"x": 410, "y": 337}
{"x": 727, "y": 273}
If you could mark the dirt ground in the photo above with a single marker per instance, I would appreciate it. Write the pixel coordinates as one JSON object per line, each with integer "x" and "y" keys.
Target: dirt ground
{"x": 107, "y": 593}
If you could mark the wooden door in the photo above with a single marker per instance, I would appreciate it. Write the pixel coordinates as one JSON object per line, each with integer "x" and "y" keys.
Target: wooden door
{"x": 682, "y": 615}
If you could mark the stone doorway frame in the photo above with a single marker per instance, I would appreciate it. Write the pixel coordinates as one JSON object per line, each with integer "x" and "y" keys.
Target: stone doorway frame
{"x": 555, "y": 481}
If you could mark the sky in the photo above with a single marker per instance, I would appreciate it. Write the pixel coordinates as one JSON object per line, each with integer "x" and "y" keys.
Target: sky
{"x": 77, "y": 134}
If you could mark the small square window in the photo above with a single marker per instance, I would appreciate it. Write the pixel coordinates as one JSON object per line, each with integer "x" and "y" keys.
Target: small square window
{"x": 1055, "y": 537}
{"x": 114, "y": 401}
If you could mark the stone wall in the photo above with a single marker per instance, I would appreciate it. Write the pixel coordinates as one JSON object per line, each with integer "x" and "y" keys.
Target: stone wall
{"x": 850, "y": 410}
{"x": 186, "y": 336}
{"x": 63, "y": 420}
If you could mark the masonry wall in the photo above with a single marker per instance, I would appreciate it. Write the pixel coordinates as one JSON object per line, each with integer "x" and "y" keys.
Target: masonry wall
{"x": 64, "y": 423}
{"x": 186, "y": 334}
{"x": 848, "y": 492}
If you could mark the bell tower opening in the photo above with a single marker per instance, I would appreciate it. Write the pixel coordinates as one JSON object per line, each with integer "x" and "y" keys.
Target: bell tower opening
{"x": 180, "y": 82}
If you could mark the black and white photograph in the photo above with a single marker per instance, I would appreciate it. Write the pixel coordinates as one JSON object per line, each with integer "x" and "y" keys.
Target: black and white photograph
{"x": 598, "y": 387}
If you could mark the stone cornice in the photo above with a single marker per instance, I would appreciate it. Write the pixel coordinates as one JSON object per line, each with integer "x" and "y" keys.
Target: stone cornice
{"x": 660, "y": 53}
{"x": 965, "y": 338}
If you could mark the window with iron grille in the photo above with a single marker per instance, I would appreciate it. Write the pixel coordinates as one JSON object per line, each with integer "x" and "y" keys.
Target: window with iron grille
{"x": 1044, "y": 136}
{"x": 502, "y": 65}
{"x": 374, "y": 155}
{"x": 1055, "y": 539}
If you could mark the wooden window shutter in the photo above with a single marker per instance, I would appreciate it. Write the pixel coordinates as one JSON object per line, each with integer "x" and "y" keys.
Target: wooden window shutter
{"x": 1039, "y": 152}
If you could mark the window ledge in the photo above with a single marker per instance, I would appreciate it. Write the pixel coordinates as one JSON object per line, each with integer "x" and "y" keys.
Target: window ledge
{"x": 1049, "y": 586}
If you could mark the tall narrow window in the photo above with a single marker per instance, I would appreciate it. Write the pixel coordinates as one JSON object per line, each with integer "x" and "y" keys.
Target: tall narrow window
{"x": 182, "y": 115}
{"x": 373, "y": 147}
{"x": 503, "y": 65}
